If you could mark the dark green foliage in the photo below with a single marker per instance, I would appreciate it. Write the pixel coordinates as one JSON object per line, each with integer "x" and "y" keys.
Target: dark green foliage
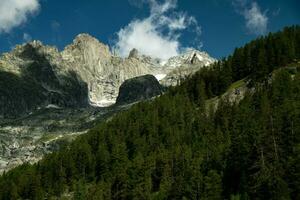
{"x": 256, "y": 59}
{"x": 172, "y": 148}
{"x": 80, "y": 191}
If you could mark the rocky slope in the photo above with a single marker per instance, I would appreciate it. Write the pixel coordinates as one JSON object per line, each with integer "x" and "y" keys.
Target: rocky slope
{"x": 29, "y": 138}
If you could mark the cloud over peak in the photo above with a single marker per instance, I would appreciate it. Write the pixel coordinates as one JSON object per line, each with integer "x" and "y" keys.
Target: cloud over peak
{"x": 158, "y": 34}
{"x": 14, "y": 13}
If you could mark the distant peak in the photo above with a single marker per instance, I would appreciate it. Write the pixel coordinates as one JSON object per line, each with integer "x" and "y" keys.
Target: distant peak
{"x": 85, "y": 41}
{"x": 194, "y": 51}
{"x": 29, "y": 46}
{"x": 36, "y": 43}
{"x": 190, "y": 56}
{"x": 134, "y": 53}
{"x": 83, "y": 36}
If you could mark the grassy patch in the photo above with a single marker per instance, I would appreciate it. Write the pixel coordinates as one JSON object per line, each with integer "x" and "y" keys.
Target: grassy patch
{"x": 47, "y": 137}
{"x": 237, "y": 84}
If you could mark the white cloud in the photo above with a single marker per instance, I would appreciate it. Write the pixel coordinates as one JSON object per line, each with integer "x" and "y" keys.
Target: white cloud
{"x": 27, "y": 37}
{"x": 158, "y": 34}
{"x": 256, "y": 20}
{"x": 157, "y": 8}
{"x": 13, "y": 13}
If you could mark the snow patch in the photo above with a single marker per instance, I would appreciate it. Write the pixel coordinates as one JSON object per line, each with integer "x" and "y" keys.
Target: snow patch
{"x": 199, "y": 57}
{"x": 102, "y": 103}
{"x": 52, "y": 106}
{"x": 160, "y": 76}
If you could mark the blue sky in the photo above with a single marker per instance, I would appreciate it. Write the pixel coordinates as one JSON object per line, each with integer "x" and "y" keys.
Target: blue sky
{"x": 160, "y": 28}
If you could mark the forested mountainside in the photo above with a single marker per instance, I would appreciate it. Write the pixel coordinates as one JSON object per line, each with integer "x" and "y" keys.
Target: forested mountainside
{"x": 173, "y": 147}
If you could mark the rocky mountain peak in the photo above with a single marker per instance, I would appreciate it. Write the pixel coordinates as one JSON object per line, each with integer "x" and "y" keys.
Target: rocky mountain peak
{"x": 84, "y": 38}
{"x": 85, "y": 44}
{"x": 87, "y": 49}
{"x": 133, "y": 53}
{"x": 195, "y": 57}
{"x": 190, "y": 57}
{"x": 36, "y": 43}
{"x": 183, "y": 65}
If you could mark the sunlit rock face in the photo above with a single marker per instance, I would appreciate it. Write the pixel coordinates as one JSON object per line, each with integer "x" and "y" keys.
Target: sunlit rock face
{"x": 102, "y": 71}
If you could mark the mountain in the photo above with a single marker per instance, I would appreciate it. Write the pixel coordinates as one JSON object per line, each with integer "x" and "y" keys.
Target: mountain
{"x": 102, "y": 71}
{"x": 191, "y": 56}
{"x": 86, "y": 64}
{"x": 182, "y": 146}
{"x": 184, "y": 65}
{"x": 49, "y": 97}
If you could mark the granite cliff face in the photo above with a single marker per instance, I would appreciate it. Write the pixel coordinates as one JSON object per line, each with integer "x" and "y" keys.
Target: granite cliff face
{"x": 102, "y": 71}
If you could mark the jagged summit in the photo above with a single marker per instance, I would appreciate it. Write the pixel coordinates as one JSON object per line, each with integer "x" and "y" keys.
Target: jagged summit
{"x": 84, "y": 36}
{"x": 35, "y": 43}
{"x": 191, "y": 56}
{"x": 134, "y": 53}
{"x": 87, "y": 45}
{"x": 183, "y": 65}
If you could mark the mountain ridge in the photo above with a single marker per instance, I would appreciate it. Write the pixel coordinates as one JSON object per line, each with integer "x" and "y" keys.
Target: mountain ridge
{"x": 95, "y": 65}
